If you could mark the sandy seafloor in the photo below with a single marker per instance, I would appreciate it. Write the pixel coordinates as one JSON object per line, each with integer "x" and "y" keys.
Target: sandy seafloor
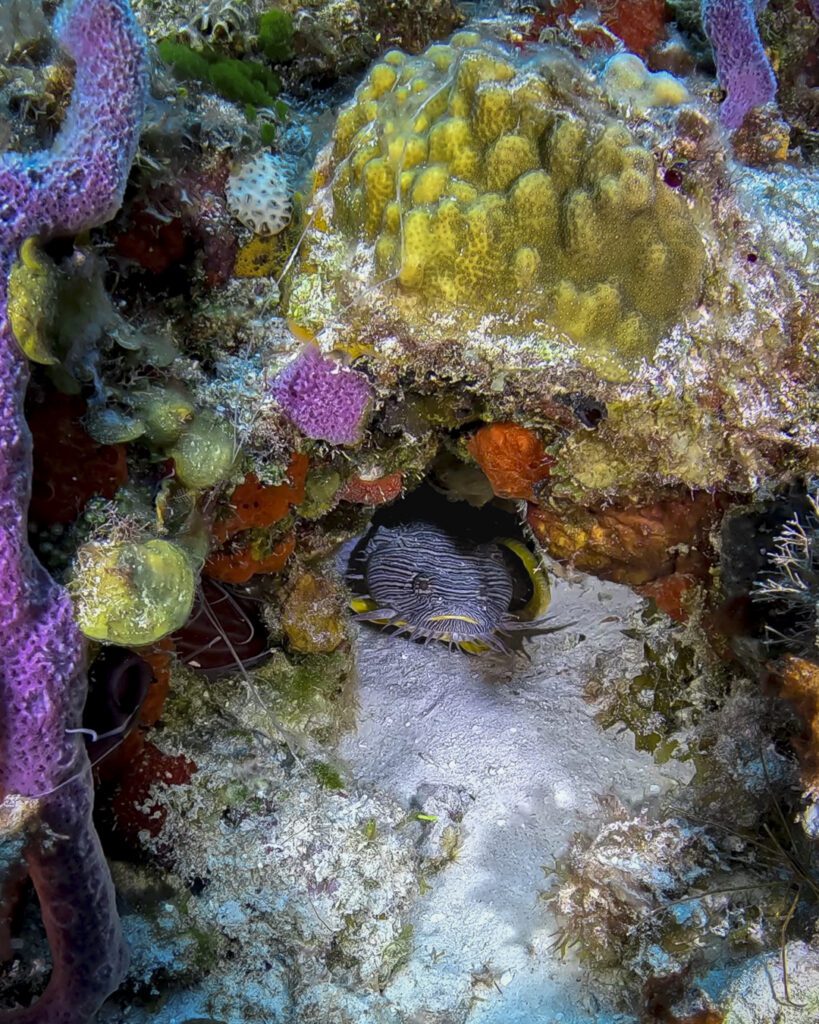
{"x": 524, "y": 745}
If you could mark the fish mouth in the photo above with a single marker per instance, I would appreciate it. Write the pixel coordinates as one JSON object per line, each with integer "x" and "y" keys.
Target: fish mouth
{"x": 451, "y": 617}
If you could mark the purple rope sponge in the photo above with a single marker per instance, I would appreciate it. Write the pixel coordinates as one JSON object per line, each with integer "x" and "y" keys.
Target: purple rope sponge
{"x": 743, "y": 68}
{"x": 325, "y": 400}
{"x": 75, "y": 185}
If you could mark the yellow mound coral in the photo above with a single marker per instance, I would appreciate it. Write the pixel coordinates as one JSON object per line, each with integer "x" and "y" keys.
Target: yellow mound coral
{"x": 481, "y": 190}
{"x": 627, "y": 80}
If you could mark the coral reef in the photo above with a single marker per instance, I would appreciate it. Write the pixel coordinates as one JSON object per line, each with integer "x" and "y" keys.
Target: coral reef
{"x": 239, "y": 562}
{"x": 73, "y": 186}
{"x": 32, "y": 294}
{"x": 514, "y": 301}
{"x": 408, "y": 256}
{"x": 204, "y": 452}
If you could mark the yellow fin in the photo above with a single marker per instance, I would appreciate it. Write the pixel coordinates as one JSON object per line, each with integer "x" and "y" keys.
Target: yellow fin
{"x": 454, "y": 618}
{"x": 541, "y": 592}
{"x": 303, "y": 334}
{"x": 473, "y": 647}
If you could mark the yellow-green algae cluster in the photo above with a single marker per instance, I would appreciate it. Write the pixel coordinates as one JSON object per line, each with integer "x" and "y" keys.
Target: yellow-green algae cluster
{"x": 132, "y": 593}
{"x": 482, "y": 191}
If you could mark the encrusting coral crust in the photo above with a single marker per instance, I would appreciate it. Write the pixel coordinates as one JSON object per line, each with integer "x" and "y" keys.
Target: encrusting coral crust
{"x": 76, "y": 184}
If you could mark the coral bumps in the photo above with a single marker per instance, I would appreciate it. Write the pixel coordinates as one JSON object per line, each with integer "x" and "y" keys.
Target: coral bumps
{"x": 479, "y": 189}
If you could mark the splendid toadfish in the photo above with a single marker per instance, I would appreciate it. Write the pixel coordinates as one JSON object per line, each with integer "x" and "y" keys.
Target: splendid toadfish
{"x": 431, "y": 584}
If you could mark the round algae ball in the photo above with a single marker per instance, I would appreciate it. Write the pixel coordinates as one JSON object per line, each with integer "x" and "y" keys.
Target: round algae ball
{"x": 32, "y": 301}
{"x": 164, "y": 411}
{"x": 131, "y": 593}
{"x": 204, "y": 453}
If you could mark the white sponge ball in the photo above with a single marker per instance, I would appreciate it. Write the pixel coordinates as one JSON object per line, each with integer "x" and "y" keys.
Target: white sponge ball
{"x": 258, "y": 195}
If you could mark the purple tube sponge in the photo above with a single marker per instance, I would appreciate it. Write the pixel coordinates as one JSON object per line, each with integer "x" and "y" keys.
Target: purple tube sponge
{"x": 743, "y": 68}
{"x": 75, "y": 185}
{"x": 325, "y": 400}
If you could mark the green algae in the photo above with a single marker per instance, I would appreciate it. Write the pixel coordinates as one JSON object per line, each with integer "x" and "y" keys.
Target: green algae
{"x": 327, "y": 775}
{"x": 204, "y": 452}
{"x": 396, "y": 954}
{"x": 164, "y": 412}
{"x": 651, "y": 705}
{"x": 276, "y": 35}
{"x": 240, "y": 81}
{"x": 33, "y": 287}
{"x": 321, "y": 488}
{"x": 309, "y": 694}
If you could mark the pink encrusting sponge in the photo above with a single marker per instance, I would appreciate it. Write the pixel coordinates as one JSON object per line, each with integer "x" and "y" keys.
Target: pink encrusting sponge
{"x": 325, "y": 400}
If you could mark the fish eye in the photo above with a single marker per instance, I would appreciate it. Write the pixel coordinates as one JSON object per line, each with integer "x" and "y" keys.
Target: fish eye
{"x": 421, "y": 583}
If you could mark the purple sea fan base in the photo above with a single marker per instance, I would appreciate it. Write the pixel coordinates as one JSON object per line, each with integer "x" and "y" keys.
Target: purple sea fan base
{"x": 324, "y": 399}
{"x": 75, "y": 185}
{"x": 743, "y": 68}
